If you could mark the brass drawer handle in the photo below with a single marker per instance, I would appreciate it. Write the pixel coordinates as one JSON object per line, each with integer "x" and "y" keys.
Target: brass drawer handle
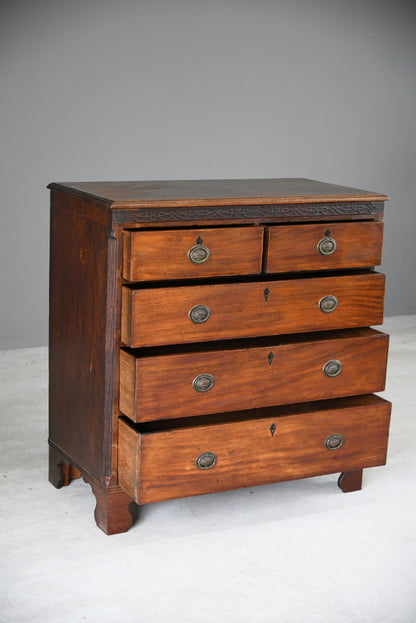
{"x": 203, "y": 383}
{"x": 199, "y": 314}
{"x": 206, "y": 460}
{"x": 333, "y": 442}
{"x": 328, "y": 303}
{"x": 326, "y": 246}
{"x": 198, "y": 254}
{"x": 332, "y": 368}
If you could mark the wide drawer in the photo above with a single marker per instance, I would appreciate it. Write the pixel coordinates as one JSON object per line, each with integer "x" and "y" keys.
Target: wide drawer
{"x": 258, "y": 447}
{"x": 192, "y": 253}
{"x": 323, "y": 246}
{"x": 157, "y": 316}
{"x": 264, "y": 373}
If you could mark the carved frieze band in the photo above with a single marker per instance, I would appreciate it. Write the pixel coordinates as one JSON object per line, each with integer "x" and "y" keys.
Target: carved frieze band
{"x": 354, "y": 208}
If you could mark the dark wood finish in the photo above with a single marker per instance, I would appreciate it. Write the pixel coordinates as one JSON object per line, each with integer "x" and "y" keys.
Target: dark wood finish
{"x": 156, "y": 255}
{"x": 160, "y": 465}
{"x": 351, "y": 481}
{"x": 160, "y": 316}
{"x": 294, "y": 247}
{"x": 113, "y": 513}
{"x": 160, "y": 386}
{"x": 260, "y": 214}
{"x": 112, "y": 510}
{"x": 198, "y": 203}
{"x": 61, "y": 473}
{"x": 217, "y": 192}
{"x": 94, "y": 313}
{"x": 82, "y": 338}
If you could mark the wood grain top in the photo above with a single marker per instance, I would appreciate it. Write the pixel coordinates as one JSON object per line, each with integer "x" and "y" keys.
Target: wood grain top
{"x": 216, "y": 192}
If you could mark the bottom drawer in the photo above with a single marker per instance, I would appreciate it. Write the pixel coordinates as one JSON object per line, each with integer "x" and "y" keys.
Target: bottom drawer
{"x": 174, "y": 459}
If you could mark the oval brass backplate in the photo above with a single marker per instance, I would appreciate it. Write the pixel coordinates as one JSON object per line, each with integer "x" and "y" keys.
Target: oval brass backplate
{"x": 332, "y": 368}
{"x": 198, "y": 254}
{"x": 326, "y": 246}
{"x": 333, "y": 442}
{"x": 203, "y": 382}
{"x": 328, "y": 303}
{"x": 199, "y": 314}
{"x": 206, "y": 460}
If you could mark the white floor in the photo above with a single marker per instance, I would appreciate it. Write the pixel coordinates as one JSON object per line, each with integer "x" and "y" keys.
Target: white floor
{"x": 298, "y": 552}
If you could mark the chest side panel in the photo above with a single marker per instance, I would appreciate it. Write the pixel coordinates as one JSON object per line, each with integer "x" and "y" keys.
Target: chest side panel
{"x": 81, "y": 335}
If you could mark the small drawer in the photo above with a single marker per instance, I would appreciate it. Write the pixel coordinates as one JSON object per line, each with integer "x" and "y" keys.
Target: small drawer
{"x": 192, "y": 253}
{"x": 159, "y": 316}
{"x": 159, "y": 462}
{"x": 315, "y": 367}
{"x": 324, "y": 246}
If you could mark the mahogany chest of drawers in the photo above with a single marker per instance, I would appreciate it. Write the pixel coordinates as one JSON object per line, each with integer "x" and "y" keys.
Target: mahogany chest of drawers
{"x": 210, "y": 335}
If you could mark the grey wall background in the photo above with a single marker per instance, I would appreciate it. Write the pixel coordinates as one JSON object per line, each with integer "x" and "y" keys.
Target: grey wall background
{"x": 159, "y": 89}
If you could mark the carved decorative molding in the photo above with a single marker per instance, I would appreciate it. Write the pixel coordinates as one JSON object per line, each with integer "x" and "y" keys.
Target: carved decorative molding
{"x": 149, "y": 215}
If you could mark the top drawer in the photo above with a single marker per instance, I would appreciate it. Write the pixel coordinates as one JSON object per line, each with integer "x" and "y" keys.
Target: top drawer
{"x": 324, "y": 246}
{"x": 187, "y": 253}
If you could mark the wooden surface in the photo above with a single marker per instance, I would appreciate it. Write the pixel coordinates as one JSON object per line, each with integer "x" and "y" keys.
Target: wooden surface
{"x": 80, "y": 355}
{"x": 156, "y": 255}
{"x": 61, "y": 472}
{"x": 111, "y": 513}
{"x": 351, "y": 481}
{"x": 161, "y": 465}
{"x": 217, "y": 192}
{"x": 158, "y": 316}
{"x": 92, "y": 314}
{"x": 294, "y": 247}
{"x": 157, "y": 387}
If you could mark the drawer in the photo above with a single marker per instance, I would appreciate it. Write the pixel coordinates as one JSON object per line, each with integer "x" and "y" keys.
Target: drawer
{"x": 323, "y": 246}
{"x": 325, "y": 365}
{"x": 187, "y": 253}
{"x": 157, "y": 316}
{"x": 157, "y": 462}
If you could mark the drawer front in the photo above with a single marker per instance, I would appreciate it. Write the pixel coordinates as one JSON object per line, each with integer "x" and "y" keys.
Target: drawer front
{"x": 192, "y": 253}
{"x": 323, "y": 246}
{"x": 192, "y": 460}
{"x": 158, "y": 316}
{"x": 181, "y": 385}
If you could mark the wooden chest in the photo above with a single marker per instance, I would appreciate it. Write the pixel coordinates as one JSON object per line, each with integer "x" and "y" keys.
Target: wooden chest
{"x": 210, "y": 335}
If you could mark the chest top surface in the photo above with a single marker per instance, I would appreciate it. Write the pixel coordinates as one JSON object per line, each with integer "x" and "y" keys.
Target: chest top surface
{"x": 217, "y": 192}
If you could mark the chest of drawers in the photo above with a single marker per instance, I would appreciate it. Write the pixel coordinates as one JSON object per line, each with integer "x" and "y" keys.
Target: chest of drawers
{"x": 210, "y": 335}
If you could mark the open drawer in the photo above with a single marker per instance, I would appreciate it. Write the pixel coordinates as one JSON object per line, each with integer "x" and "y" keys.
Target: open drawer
{"x": 223, "y": 311}
{"x": 229, "y": 376}
{"x": 179, "y": 458}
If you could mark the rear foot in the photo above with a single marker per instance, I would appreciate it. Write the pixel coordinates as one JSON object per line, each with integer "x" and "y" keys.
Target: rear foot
{"x": 351, "y": 481}
{"x": 60, "y": 471}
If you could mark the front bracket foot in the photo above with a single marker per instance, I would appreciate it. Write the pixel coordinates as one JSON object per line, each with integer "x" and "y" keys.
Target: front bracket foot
{"x": 112, "y": 513}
